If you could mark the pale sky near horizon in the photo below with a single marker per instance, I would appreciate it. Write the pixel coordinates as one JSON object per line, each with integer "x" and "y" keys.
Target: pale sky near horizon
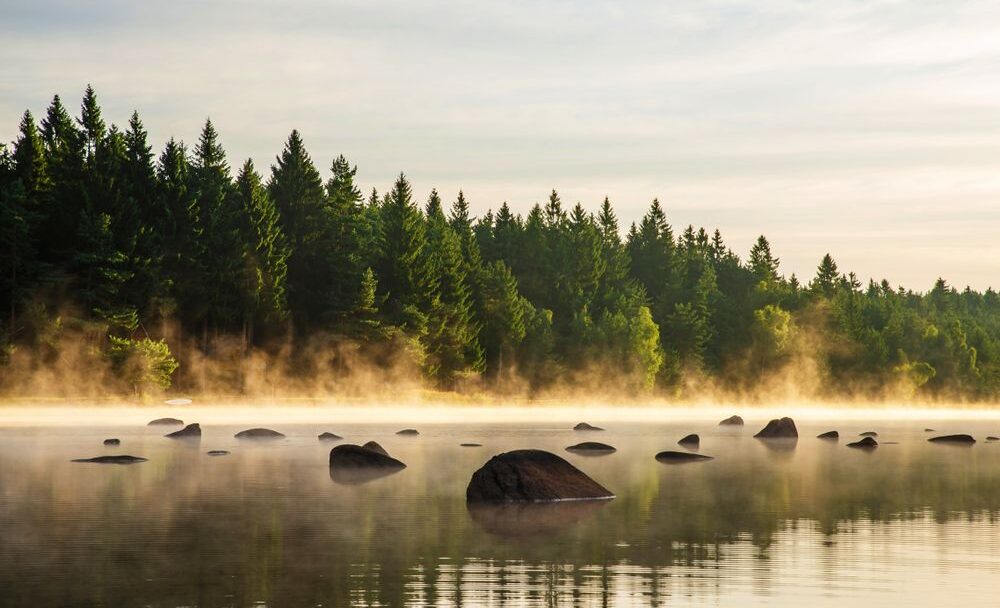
{"x": 870, "y": 130}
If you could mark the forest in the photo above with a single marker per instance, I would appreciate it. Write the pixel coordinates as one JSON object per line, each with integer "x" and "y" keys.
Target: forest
{"x": 147, "y": 273}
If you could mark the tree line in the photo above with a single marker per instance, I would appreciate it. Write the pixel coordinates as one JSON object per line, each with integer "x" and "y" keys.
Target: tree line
{"x": 156, "y": 260}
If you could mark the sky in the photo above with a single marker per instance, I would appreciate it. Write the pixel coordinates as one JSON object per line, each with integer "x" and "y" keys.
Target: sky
{"x": 866, "y": 129}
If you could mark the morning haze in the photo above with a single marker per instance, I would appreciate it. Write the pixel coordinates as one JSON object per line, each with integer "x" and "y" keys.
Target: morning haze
{"x": 865, "y": 130}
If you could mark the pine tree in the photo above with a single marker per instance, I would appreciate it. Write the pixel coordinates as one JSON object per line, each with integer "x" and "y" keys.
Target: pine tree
{"x": 763, "y": 265}
{"x": 827, "y": 277}
{"x": 504, "y": 318}
{"x": 346, "y": 259}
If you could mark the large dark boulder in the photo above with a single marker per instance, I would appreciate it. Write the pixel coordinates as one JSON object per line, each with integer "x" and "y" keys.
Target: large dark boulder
{"x": 591, "y": 448}
{"x": 112, "y": 441}
{"x": 733, "y": 420}
{"x": 375, "y": 447}
{"x": 583, "y": 426}
{"x": 868, "y": 443}
{"x": 779, "y": 428}
{"x": 671, "y": 457}
{"x": 690, "y": 441}
{"x": 408, "y": 432}
{"x": 190, "y": 431}
{"x": 165, "y": 422}
{"x": 531, "y": 475}
{"x": 833, "y": 435}
{"x": 122, "y": 459}
{"x": 967, "y": 439}
{"x": 259, "y": 433}
{"x": 329, "y": 437}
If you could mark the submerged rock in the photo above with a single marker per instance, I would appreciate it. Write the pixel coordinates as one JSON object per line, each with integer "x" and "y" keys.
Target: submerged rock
{"x": 733, "y": 420}
{"x": 672, "y": 457}
{"x": 929, "y": 430}
{"x": 408, "y": 432}
{"x": 829, "y": 435}
{"x": 953, "y": 439}
{"x": 591, "y": 447}
{"x": 691, "y": 441}
{"x": 583, "y": 426}
{"x": 218, "y": 453}
{"x": 329, "y": 437}
{"x": 112, "y": 441}
{"x": 122, "y": 459}
{"x": 868, "y": 443}
{"x": 470, "y": 445}
{"x": 165, "y": 422}
{"x": 779, "y": 428}
{"x": 371, "y": 445}
{"x": 868, "y": 434}
{"x": 992, "y": 438}
{"x": 259, "y": 433}
{"x": 350, "y": 456}
{"x": 190, "y": 431}
{"x": 531, "y": 475}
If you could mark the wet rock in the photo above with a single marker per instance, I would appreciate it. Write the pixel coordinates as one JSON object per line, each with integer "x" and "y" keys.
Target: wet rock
{"x": 966, "y": 439}
{"x": 329, "y": 437}
{"x": 591, "y": 447}
{"x": 122, "y": 459}
{"x": 583, "y": 426}
{"x": 408, "y": 432}
{"x": 112, "y": 441}
{"x": 992, "y": 438}
{"x": 531, "y": 475}
{"x": 868, "y": 443}
{"x": 259, "y": 433}
{"x": 190, "y": 431}
{"x": 371, "y": 445}
{"x": 350, "y": 456}
{"x": 671, "y": 457}
{"x": 470, "y": 445}
{"x": 779, "y": 428}
{"x": 690, "y": 441}
{"x": 929, "y": 430}
{"x": 165, "y": 422}
{"x": 218, "y": 453}
{"x": 733, "y": 420}
{"x": 829, "y": 435}
{"x": 868, "y": 434}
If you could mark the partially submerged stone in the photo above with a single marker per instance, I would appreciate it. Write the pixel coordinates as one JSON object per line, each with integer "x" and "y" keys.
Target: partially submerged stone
{"x": 190, "y": 431}
{"x": 868, "y": 434}
{"x": 375, "y": 447}
{"x": 583, "y": 426}
{"x": 779, "y": 428}
{"x": 992, "y": 438}
{"x": 829, "y": 435}
{"x": 867, "y": 443}
{"x": 165, "y": 422}
{"x": 329, "y": 437}
{"x": 259, "y": 433}
{"x": 350, "y": 456}
{"x": 470, "y": 445}
{"x": 690, "y": 441}
{"x": 217, "y": 453}
{"x": 120, "y": 459}
{"x": 733, "y": 420}
{"x": 112, "y": 441}
{"x": 531, "y": 475}
{"x": 408, "y": 432}
{"x": 672, "y": 457}
{"x": 966, "y": 439}
{"x": 591, "y": 447}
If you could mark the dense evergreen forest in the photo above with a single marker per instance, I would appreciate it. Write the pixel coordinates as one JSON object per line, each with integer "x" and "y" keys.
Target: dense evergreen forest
{"x": 145, "y": 271}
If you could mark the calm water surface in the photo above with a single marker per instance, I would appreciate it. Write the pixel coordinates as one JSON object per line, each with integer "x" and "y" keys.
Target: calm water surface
{"x": 815, "y": 525}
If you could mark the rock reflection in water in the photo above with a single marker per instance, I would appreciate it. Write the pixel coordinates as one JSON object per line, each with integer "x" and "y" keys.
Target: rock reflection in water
{"x": 515, "y": 519}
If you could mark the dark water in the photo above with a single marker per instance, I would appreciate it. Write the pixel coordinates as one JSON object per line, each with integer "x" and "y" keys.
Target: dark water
{"x": 817, "y": 525}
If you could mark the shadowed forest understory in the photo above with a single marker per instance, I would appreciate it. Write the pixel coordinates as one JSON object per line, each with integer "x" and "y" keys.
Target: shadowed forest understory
{"x": 126, "y": 272}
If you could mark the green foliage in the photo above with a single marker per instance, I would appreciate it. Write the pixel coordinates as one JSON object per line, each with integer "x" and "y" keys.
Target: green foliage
{"x": 144, "y": 364}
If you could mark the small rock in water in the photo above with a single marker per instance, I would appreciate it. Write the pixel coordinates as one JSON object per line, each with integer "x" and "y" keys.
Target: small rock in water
{"x": 591, "y": 447}
{"x": 165, "y": 422}
{"x": 259, "y": 433}
{"x": 470, "y": 445}
{"x": 671, "y": 457}
{"x": 783, "y": 428}
{"x": 191, "y": 430}
{"x": 112, "y": 441}
{"x": 122, "y": 459}
{"x": 992, "y": 438}
{"x": 531, "y": 475}
{"x": 329, "y": 437}
{"x": 375, "y": 447}
{"x": 953, "y": 439}
{"x": 217, "y": 453}
{"x": 408, "y": 432}
{"x": 929, "y": 430}
{"x": 356, "y": 456}
{"x": 868, "y": 434}
{"x": 583, "y": 426}
{"x": 733, "y": 420}
{"x": 691, "y": 440}
{"x": 867, "y": 443}
{"x": 829, "y": 435}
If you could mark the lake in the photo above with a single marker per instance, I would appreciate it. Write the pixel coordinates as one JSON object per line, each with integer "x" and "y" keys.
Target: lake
{"x": 818, "y": 524}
